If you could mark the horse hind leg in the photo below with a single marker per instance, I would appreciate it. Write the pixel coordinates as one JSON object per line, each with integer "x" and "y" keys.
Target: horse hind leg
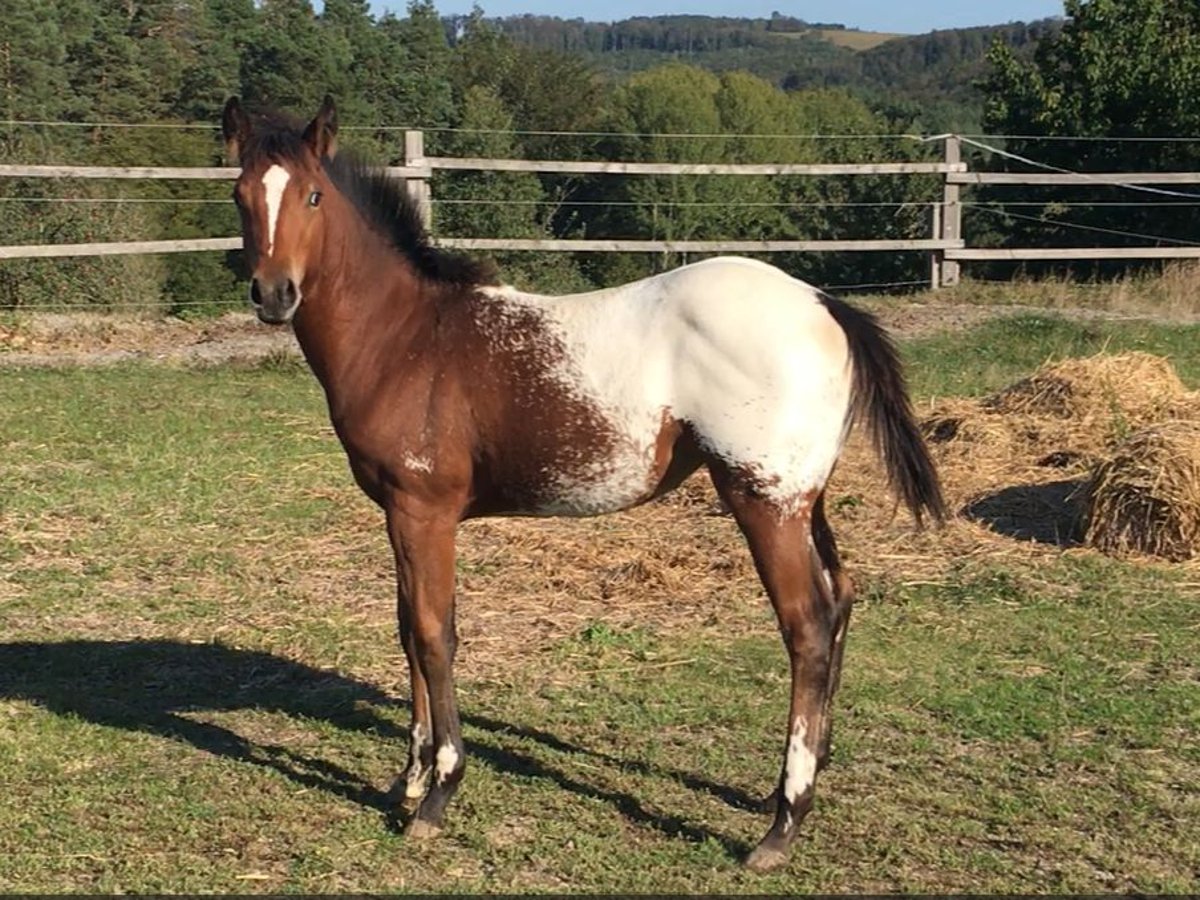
{"x": 780, "y": 543}
{"x": 839, "y": 595}
{"x": 837, "y": 592}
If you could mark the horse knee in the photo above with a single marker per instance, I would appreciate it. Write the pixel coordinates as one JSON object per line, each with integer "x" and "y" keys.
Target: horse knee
{"x": 811, "y": 649}
{"x": 435, "y": 644}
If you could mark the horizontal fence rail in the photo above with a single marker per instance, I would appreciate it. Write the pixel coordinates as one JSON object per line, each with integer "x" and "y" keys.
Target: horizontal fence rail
{"x": 1078, "y": 179}
{"x": 1068, "y": 253}
{"x": 634, "y": 246}
{"x": 118, "y": 248}
{"x": 945, "y": 244}
{"x": 644, "y": 168}
{"x": 140, "y": 173}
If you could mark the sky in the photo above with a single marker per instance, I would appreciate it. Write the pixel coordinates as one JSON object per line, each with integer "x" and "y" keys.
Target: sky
{"x": 898, "y": 16}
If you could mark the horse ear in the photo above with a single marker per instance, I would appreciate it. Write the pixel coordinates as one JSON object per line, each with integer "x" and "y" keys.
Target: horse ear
{"x": 235, "y": 125}
{"x": 321, "y": 133}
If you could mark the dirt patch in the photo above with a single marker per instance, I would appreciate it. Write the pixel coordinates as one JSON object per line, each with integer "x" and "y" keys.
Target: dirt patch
{"x": 84, "y": 339}
{"x": 92, "y": 339}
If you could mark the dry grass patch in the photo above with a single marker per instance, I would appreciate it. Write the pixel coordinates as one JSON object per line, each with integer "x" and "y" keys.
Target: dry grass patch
{"x": 852, "y": 39}
{"x": 1170, "y": 294}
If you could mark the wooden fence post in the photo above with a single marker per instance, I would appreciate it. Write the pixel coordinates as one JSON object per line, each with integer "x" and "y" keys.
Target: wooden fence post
{"x": 937, "y": 257}
{"x": 951, "y": 212}
{"x": 418, "y": 187}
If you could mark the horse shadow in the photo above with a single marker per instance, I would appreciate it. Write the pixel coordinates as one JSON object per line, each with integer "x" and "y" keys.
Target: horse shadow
{"x": 150, "y": 686}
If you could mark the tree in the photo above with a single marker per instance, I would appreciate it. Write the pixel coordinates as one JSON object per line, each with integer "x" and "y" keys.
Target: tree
{"x": 429, "y": 103}
{"x": 1119, "y": 69}
{"x": 209, "y": 45}
{"x": 499, "y": 204}
{"x": 649, "y": 112}
{"x": 290, "y": 64}
{"x": 348, "y": 34}
{"x": 33, "y": 83}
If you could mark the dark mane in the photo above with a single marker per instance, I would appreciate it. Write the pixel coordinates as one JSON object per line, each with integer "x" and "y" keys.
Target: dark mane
{"x": 383, "y": 200}
{"x": 388, "y": 206}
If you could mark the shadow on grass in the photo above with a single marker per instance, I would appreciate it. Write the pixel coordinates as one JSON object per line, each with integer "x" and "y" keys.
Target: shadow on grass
{"x": 1049, "y": 513}
{"x": 149, "y": 686}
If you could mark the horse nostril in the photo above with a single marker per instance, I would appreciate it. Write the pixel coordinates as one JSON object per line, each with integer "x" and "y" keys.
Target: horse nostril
{"x": 255, "y": 293}
{"x": 290, "y": 291}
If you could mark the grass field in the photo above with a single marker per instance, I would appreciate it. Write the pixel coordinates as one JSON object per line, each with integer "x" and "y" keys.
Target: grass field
{"x": 854, "y": 39}
{"x": 200, "y": 688}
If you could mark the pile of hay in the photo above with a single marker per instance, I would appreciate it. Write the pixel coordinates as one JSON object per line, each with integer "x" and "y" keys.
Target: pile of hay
{"x": 1096, "y": 390}
{"x": 1067, "y": 415}
{"x": 1050, "y": 457}
{"x": 1146, "y": 497}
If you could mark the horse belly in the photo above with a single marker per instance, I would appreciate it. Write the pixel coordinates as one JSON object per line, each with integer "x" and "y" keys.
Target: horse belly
{"x": 601, "y": 466}
{"x": 586, "y": 426}
{"x": 609, "y": 483}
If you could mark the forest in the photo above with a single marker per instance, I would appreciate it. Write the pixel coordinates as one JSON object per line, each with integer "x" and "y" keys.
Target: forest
{"x": 142, "y": 82}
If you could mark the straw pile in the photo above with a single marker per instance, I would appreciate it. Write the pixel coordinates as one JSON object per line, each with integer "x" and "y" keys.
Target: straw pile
{"x": 1146, "y": 497}
{"x": 1027, "y": 461}
{"x": 1095, "y": 390}
{"x": 1067, "y": 415}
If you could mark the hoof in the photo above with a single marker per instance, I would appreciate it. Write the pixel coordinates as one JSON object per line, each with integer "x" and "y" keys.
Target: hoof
{"x": 399, "y": 797}
{"x": 404, "y": 802}
{"x": 420, "y": 830}
{"x": 766, "y": 859}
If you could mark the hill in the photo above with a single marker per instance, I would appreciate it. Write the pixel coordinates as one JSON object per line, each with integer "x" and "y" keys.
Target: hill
{"x": 924, "y": 81}
{"x": 853, "y": 39}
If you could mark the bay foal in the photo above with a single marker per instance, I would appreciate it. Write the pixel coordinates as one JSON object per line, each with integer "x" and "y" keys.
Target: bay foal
{"x": 455, "y": 398}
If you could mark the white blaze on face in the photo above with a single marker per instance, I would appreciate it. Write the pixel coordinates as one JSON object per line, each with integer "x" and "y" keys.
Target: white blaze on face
{"x": 801, "y": 765}
{"x": 274, "y": 180}
{"x": 447, "y": 759}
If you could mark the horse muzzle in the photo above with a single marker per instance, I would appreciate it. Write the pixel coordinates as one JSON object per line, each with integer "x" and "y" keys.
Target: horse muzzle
{"x": 275, "y": 301}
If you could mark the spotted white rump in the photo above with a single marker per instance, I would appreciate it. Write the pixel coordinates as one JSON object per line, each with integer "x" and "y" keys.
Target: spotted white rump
{"x": 745, "y": 354}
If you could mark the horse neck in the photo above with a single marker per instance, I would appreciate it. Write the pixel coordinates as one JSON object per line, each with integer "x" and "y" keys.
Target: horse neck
{"x": 366, "y": 301}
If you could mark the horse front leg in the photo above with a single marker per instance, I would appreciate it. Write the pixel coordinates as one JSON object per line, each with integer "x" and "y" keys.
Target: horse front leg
{"x": 412, "y": 784}
{"x": 423, "y": 541}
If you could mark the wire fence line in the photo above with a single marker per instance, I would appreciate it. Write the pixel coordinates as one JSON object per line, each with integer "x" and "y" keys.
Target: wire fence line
{"x": 1079, "y": 226}
{"x": 945, "y": 243}
{"x": 983, "y": 205}
{"x": 685, "y": 204}
{"x": 519, "y": 132}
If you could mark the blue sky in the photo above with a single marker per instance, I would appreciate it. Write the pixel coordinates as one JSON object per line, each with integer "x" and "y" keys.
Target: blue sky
{"x": 902, "y": 16}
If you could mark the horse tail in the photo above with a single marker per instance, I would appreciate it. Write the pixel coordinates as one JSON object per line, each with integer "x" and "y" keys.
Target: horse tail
{"x": 879, "y": 397}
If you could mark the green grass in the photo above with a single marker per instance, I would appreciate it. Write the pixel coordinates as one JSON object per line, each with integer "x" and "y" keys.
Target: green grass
{"x": 198, "y": 673}
{"x": 1005, "y": 349}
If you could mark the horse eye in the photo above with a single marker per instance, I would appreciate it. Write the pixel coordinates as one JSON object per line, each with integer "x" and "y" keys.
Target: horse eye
{"x": 314, "y": 199}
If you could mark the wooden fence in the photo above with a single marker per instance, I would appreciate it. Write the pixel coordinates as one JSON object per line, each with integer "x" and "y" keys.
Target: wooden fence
{"x": 945, "y": 244}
